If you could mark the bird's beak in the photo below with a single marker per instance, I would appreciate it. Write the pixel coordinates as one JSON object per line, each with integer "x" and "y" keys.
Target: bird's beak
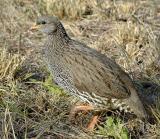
{"x": 35, "y": 27}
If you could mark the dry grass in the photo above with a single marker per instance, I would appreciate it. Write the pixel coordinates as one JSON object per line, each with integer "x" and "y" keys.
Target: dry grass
{"x": 32, "y": 106}
{"x": 133, "y": 43}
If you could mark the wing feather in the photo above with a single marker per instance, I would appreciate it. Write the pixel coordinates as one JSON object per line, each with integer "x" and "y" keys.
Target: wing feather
{"x": 93, "y": 72}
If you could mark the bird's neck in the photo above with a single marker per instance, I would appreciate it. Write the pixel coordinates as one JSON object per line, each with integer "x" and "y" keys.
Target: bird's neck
{"x": 54, "y": 46}
{"x": 58, "y": 41}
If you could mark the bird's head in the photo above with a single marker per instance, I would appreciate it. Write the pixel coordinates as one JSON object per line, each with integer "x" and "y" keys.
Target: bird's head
{"x": 47, "y": 24}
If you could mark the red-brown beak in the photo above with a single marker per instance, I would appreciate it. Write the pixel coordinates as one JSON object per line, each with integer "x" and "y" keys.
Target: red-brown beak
{"x": 35, "y": 27}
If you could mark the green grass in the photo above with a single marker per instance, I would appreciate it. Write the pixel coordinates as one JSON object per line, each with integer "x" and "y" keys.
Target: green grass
{"x": 113, "y": 128}
{"x": 51, "y": 87}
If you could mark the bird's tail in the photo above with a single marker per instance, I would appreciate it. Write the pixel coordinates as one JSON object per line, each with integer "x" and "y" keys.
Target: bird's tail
{"x": 136, "y": 105}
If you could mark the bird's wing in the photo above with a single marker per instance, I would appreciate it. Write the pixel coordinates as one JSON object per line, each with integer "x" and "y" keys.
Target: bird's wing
{"x": 95, "y": 73}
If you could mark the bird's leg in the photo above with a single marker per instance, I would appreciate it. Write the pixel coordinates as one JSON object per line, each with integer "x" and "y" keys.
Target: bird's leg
{"x": 86, "y": 108}
{"x": 77, "y": 108}
{"x": 92, "y": 123}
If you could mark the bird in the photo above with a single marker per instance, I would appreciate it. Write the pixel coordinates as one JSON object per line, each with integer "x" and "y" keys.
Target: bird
{"x": 86, "y": 73}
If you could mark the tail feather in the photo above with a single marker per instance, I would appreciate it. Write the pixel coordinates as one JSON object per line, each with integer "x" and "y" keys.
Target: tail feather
{"x": 136, "y": 105}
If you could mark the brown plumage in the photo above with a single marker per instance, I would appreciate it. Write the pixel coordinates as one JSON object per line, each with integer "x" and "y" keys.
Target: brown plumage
{"x": 85, "y": 72}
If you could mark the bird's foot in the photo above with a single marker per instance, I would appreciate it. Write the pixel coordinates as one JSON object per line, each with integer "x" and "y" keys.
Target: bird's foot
{"x": 84, "y": 108}
{"x": 78, "y": 108}
{"x": 92, "y": 123}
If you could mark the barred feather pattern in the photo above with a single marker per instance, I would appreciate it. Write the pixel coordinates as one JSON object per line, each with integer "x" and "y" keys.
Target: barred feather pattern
{"x": 63, "y": 78}
{"x": 113, "y": 87}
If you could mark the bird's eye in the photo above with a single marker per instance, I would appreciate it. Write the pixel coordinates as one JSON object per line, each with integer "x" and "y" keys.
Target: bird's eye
{"x": 43, "y": 22}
